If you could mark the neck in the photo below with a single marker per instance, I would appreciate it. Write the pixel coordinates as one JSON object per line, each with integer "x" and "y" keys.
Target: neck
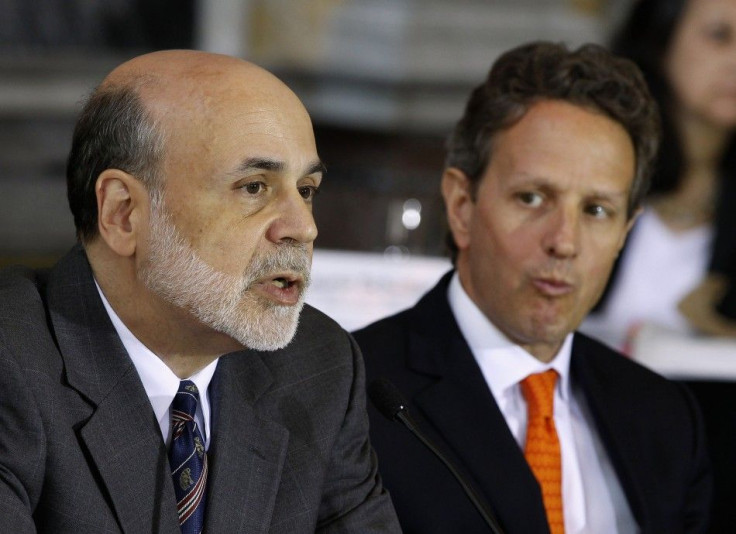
{"x": 543, "y": 352}
{"x": 692, "y": 203}
{"x": 183, "y": 343}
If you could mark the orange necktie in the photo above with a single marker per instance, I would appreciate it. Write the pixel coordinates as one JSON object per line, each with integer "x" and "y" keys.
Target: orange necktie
{"x": 542, "y": 449}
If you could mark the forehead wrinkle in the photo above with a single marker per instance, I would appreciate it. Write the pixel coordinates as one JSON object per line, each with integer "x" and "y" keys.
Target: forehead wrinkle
{"x": 212, "y": 104}
{"x": 265, "y": 122}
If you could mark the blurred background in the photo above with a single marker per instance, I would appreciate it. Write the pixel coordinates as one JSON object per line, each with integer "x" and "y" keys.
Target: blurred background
{"x": 384, "y": 81}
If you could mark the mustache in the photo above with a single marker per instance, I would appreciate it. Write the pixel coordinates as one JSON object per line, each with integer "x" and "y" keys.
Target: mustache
{"x": 287, "y": 257}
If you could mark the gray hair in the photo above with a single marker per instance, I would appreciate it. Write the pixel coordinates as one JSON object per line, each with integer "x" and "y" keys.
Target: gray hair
{"x": 114, "y": 130}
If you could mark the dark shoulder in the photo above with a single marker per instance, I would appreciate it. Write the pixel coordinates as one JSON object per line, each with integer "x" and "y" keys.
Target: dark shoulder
{"x": 388, "y": 329}
{"x": 318, "y": 329}
{"x": 320, "y": 344}
{"x": 21, "y": 295}
{"x": 426, "y": 330}
{"x": 430, "y": 315}
{"x": 595, "y": 351}
{"x": 386, "y": 344}
{"x": 22, "y": 285}
{"x": 25, "y": 334}
{"x": 628, "y": 378}
{"x": 312, "y": 316}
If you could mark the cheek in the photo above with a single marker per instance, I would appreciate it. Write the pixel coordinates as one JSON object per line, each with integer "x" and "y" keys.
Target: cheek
{"x": 687, "y": 70}
{"x": 227, "y": 249}
{"x": 504, "y": 262}
{"x": 695, "y": 83}
{"x": 497, "y": 246}
{"x": 503, "y": 230}
{"x": 238, "y": 250}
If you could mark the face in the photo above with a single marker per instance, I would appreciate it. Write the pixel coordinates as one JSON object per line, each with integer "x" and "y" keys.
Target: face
{"x": 227, "y": 304}
{"x": 701, "y": 63}
{"x": 539, "y": 237}
{"x": 232, "y": 245}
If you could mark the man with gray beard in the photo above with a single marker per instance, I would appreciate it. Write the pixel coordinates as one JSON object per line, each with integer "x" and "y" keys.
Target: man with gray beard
{"x": 165, "y": 376}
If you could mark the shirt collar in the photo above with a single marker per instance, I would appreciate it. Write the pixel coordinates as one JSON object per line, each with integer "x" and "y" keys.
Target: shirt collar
{"x": 503, "y": 363}
{"x": 159, "y": 381}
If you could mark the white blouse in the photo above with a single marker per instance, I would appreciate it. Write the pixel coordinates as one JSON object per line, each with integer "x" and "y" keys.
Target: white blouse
{"x": 659, "y": 267}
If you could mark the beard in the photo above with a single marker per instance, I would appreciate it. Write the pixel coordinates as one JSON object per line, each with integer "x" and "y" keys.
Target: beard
{"x": 225, "y": 303}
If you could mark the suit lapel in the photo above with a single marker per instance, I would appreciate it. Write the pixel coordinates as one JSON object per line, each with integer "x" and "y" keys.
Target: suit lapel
{"x": 466, "y": 419}
{"x": 611, "y": 413}
{"x": 247, "y": 454}
{"x": 122, "y": 436}
{"x": 124, "y": 442}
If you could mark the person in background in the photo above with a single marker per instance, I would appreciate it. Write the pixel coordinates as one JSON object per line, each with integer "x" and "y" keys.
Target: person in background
{"x": 545, "y": 175}
{"x": 687, "y": 52}
{"x": 671, "y": 300}
{"x": 164, "y": 376}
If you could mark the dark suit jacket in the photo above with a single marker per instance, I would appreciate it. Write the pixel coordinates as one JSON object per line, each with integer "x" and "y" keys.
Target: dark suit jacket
{"x": 81, "y": 451}
{"x": 650, "y": 427}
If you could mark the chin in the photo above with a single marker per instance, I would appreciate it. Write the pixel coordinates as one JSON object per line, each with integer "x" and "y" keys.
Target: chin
{"x": 550, "y": 333}
{"x": 268, "y": 330}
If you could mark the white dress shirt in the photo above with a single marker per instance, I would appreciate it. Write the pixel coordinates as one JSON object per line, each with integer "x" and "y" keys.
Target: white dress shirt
{"x": 160, "y": 382}
{"x": 593, "y": 503}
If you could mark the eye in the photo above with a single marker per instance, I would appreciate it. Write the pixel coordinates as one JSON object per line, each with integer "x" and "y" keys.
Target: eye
{"x": 308, "y": 192}
{"x": 530, "y": 198}
{"x": 719, "y": 33}
{"x": 253, "y": 188}
{"x": 598, "y": 211}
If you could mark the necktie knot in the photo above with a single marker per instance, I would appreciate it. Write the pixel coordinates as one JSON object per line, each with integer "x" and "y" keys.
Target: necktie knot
{"x": 539, "y": 392}
{"x": 184, "y": 407}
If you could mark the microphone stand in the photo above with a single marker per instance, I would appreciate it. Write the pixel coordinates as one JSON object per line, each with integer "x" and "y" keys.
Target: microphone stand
{"x": 388, "y": 400}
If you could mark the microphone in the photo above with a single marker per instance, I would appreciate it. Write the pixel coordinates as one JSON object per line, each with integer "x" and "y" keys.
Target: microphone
{"x": 390, "y": 402}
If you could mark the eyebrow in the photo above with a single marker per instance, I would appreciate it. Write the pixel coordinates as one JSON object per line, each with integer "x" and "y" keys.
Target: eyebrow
{"x": 549, "y": 184}
{"x": 272, "y": 165}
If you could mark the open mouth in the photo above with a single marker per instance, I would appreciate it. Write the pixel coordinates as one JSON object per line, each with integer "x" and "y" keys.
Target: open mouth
{"x": 284, "y": 289}
{"x": 283, "y": 283}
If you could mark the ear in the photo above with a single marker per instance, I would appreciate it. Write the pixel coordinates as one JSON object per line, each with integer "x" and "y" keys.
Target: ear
{"x": 459, "y": 204}
{"x": 122, "y": 208}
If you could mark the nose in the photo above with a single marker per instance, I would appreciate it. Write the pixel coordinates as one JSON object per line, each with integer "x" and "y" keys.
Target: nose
{"x": 562, "y": 233}
{"x": 293, "y": 221}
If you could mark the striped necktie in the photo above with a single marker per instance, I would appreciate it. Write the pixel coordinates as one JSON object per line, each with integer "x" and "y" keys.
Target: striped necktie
{"x": 542, "y": 449}
{"x": 188, "y": 459}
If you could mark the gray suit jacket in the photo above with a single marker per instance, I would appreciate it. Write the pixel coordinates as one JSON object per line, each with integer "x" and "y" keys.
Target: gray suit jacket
{"x": 81, "y": 451}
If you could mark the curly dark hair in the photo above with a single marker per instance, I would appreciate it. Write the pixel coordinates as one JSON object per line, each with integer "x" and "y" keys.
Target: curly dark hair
{"x": 114, "y": 130}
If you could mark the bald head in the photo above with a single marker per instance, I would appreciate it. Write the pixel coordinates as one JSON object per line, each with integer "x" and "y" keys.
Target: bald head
{"x": 173, "y": 77}
{"x": 159, "y": 103}
{"x": 179, "y": 63}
